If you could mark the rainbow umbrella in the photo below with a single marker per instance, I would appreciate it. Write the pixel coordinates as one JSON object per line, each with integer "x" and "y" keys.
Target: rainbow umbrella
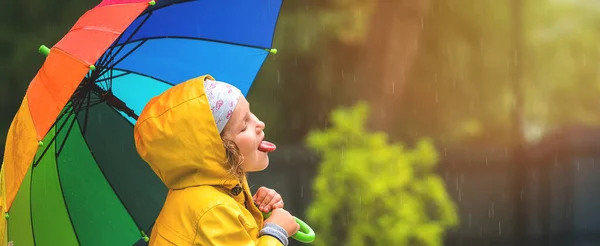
{"x": 70, "y": 174}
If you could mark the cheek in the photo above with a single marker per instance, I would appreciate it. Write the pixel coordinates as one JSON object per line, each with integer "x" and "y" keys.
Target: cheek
{"x": 246, "y": 145}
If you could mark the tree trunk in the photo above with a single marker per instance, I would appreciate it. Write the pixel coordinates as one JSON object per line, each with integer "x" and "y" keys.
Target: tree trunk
{"x": 519, "y": 164}
{"x": 390, "y": 49}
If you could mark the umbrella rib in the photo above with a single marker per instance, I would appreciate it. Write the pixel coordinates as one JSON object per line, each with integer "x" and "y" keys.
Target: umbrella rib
{"x": 141, "y": 74}
{"x": 62, "y": 192}
{"x": 152, "y": 9}
{"x": 94, "y": 104}
{"x": 109, "y": 82}
{"x": 195, "y": 38}
{"x": 79, "y": 104}
{"x": 105, "y": 58}
{"x": 118, "y": 112}
{"x": 62, "y": 145}
{"x": 30, "y": 206}
{"x": 55, "y": 135}
{"x": 59, "y": 183}
{"x": 110, "y": 183}
{"x": 112, "y": 65}
{"x": 67, "y": 112}
{"x": 109, "y": 56}
{"x": 276, "y": 23}
{"x": 111, "y": 49}
{"x": 112, "y": 77}
{"x": 75, "y": 106}
{"x": 87, "y": 111}
{"x": 88, "y": 106}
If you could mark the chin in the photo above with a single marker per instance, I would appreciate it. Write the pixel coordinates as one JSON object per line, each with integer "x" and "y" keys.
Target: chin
{"x": 266, "y": 162}
{"x": 253, "y": 170}
{"x": 259, "y": 166}
{"x": 263, "y": 166}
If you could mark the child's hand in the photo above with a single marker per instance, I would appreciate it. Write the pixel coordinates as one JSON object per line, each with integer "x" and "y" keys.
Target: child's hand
{"x": 267, "y": 199}
{"x": 284, "y": 219}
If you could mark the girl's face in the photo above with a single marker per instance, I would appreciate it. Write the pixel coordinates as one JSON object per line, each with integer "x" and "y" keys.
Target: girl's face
{"x": 246, "y": 131}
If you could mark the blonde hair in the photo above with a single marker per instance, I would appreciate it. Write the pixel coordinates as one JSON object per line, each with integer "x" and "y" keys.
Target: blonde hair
{"x": 234, "y": 159}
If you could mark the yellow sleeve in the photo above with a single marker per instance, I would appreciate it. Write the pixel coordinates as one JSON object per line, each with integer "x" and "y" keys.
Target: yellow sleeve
{"x": 222, "y": 225}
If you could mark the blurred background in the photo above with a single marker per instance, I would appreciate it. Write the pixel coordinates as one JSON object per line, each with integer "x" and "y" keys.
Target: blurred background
{"x": 409, "y": 122}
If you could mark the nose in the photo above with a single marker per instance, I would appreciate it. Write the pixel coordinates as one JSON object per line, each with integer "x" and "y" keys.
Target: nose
{"x": 260, "y": 125}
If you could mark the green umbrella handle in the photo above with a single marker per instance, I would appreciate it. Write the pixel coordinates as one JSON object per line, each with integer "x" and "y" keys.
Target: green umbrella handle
{"x": 304, "y": 235}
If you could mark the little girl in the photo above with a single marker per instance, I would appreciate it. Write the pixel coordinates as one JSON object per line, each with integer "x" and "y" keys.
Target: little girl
{"x": 201, "y": 139}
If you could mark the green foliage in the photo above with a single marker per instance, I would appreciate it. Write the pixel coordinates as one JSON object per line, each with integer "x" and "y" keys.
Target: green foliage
{"x": 317, "y": 42}
{"x": 461, "y": 85}
{"x": 563, "y": 82}
{"x": 371, "y": 192}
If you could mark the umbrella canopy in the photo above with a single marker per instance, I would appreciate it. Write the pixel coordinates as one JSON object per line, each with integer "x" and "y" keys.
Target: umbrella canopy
{"x": 71, "y": 174}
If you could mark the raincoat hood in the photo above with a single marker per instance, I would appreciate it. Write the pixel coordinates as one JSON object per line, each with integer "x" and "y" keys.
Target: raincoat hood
{"x": 177, "y": 136}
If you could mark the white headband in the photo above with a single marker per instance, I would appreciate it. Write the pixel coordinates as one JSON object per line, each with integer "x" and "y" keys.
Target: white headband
{"x": 222, "y": 98}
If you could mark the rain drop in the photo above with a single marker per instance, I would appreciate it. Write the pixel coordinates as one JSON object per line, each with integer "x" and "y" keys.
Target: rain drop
{"x": 499, "y": 228}
{"x": 522, "y": 191}
{"x": 360, "y": 202}
{"x": 457, "y": 187}
{"x": 470, "y": 220}
{"x": 347, "y": 219}
{"x": 278, "y": 76}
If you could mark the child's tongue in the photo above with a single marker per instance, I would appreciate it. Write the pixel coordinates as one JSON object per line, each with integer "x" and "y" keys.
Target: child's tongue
{"x": 266, "y": 147}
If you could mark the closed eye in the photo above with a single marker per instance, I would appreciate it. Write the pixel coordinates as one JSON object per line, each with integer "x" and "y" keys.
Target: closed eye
{"x": 245, "y": 124}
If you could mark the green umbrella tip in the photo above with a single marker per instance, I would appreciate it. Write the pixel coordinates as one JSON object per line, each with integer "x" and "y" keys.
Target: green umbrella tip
{"x": 44, "y": 50}
{"x": 6, "y": 216}
{"x": 144, "y": 236}
{"x": 273, "y": 51}
{"x": 40, "y": 144}
{"x": 92, "y": 67}
{"x": 152, "y": 3}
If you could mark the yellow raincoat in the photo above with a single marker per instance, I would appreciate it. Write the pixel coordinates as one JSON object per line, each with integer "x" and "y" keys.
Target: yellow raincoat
{"x": 177, "y": 136}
